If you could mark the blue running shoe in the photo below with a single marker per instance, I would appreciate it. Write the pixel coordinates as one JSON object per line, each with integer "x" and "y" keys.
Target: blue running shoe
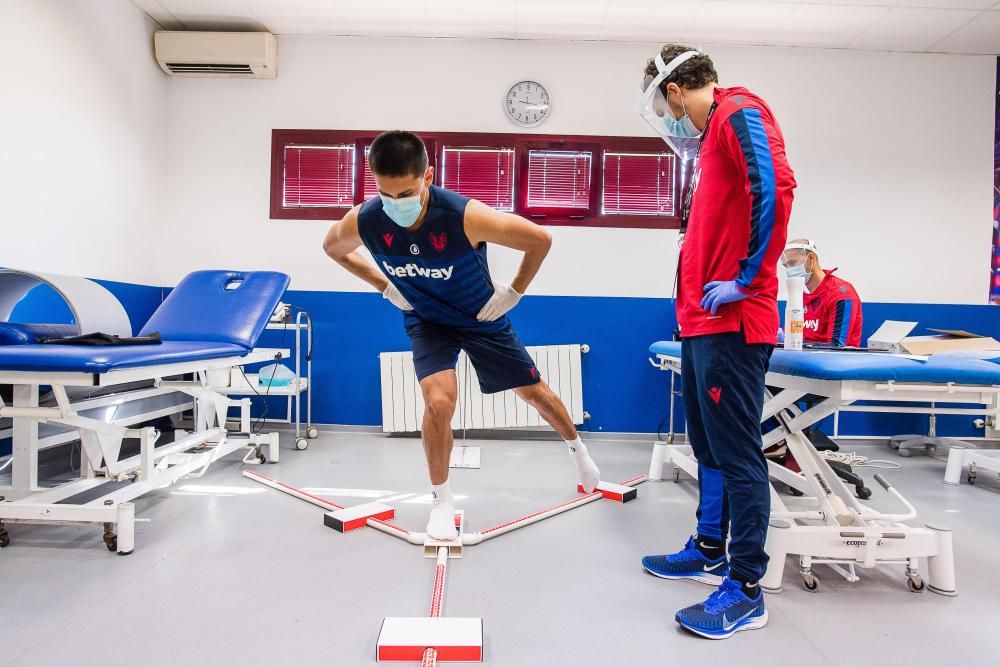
{"x": 688, "y": 563}
{"x": 725, "y": 612}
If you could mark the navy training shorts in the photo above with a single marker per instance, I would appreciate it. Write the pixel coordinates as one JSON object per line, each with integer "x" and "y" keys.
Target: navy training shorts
{"x": 499, "y": 357}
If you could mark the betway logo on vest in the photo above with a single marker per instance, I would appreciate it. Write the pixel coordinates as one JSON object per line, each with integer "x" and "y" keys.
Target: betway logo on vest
{"x": 414, "y": 271}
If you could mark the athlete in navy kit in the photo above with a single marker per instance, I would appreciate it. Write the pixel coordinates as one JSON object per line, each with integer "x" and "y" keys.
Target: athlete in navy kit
{"x": 429, "y": 250}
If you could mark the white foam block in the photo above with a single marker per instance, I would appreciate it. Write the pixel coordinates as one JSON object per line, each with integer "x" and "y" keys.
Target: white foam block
{"x": 616, "y": 492}
{"x": 357, "y": 516}
{"x": 455, "y": 639}
{"x": 454, "y": 546}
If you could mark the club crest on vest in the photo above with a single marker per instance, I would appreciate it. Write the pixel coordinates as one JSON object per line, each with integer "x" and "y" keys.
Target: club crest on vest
{"x": 414, "y": 249}
{"x": 439, "y": 241}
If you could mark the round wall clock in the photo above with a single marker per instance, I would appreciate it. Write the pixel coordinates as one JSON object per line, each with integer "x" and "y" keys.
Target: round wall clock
{"x": 527, "y": 103}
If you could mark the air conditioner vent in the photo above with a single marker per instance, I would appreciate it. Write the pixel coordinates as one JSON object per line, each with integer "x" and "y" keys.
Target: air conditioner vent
{"x": 208, "y": 68}
{"x": 251, "y": 55}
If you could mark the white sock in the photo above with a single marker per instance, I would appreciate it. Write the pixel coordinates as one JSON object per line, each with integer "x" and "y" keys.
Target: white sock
{"x": 585, "y": 466}
{"x": 442, "y": 493}
{"x": 441, "y": 524}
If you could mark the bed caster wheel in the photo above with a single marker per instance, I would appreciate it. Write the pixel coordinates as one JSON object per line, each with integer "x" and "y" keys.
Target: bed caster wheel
{"x": 810, "y": 583}
{"x": 262, "y": 459}
{"x": 4, "y": 539}
{"x": 971, "y": 478}
{"x": 676, "y": 474}
{"x": 863, "y": 493}
{"x": 111, "y": 541}
{"x": 312, "y": 432}
{"x": 904, "y": 452}
{"x": 301, "y": 443}
{"x": 915, "y": 583}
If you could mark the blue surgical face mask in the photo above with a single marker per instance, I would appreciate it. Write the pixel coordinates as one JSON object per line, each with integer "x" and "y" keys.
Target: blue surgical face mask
{"x": 681, "y": 128}
{"x": 796, "y": 271}
{"x": 404, "y": 211}
{"x": 684, "y": 127}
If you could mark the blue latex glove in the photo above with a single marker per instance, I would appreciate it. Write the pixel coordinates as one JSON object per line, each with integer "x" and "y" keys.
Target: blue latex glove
{"x": 719, "y": 292}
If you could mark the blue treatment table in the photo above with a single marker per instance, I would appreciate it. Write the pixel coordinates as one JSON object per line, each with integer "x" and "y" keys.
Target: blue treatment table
{"x": 211, "y": 321}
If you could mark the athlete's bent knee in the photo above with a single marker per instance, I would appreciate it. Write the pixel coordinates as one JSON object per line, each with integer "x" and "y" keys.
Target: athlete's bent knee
{"x": 440, "y": 406}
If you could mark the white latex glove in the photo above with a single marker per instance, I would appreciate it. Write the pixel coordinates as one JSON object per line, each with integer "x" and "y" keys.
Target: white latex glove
{"x": 502, "y": 302}
{"x": 396, "y": 298}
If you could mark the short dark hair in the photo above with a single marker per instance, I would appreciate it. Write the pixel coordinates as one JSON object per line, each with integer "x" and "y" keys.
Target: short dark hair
{"x": 398, "y": 153}
{"x": 693, "y": 73}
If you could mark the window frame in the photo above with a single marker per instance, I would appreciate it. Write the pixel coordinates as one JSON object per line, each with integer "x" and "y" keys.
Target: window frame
{"x": 446, "y": 145}
{"x": 521, "y": 143}
{"x": 349, "y": 145}
{"x": 675, "y": 201}
{"x": 545, "y": 215}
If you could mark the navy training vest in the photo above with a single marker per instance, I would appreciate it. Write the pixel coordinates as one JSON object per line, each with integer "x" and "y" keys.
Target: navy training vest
{"x": 444, "y": 278}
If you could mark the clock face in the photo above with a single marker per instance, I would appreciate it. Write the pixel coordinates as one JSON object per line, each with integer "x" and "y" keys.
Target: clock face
{"x": 527, "y": 103}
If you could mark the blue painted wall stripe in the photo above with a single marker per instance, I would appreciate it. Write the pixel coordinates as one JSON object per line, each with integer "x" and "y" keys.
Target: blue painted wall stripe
{"x": 621, "y": 390}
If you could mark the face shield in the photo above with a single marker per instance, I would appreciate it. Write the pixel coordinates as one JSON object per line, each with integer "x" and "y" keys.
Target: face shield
{"x": 681, "y": 136}
{"x": 795, "y": 257}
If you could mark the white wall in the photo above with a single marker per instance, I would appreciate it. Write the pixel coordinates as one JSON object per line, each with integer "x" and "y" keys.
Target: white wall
{"x": 82, "y": 131}
{"x": 893, "y": 154}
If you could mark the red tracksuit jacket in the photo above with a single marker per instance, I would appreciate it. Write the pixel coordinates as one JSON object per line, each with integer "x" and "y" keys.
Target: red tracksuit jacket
{"x": 738, "y": 221}
{"x": 833, "y": 313}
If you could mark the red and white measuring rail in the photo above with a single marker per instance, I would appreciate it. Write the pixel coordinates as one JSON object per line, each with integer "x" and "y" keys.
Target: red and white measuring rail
{"x": 436, "y": 638}
{"x": 374, "y": 515}
{"x": 375, "y": 520}
{"x": 623, "y": 492}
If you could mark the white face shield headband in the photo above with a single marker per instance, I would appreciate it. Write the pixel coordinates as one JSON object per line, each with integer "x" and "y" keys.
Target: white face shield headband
{"x": 679, "y": 134}
{"x": 798, "y": 251}
{"x": 795, "y": 257}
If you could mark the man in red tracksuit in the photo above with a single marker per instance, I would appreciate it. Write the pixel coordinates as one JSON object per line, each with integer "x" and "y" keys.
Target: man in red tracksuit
{"x": 832, "y": 306}
{"x": 727, "y": 309}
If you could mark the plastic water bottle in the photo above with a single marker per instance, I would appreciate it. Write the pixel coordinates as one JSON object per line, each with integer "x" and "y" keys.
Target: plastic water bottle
{"x": 794, "y": 313}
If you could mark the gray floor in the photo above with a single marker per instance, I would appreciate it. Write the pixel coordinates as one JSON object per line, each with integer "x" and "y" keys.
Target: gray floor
{"x": 231, "y": 573}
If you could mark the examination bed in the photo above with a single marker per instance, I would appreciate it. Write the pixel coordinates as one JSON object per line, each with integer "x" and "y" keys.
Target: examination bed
{"x": 827, "y": 524}
{"x": 210, "y": 322}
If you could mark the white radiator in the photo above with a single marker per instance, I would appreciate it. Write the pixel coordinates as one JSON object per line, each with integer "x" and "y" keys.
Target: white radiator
{"x": 403, "y": 404}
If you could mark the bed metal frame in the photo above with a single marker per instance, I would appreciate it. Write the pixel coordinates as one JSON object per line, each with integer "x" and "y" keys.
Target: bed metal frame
{"x": 827, "y": 524}
{"x": 109, "y": 483}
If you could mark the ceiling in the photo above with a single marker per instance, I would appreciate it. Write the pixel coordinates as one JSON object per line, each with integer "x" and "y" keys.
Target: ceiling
{"x": 940, "y": 26}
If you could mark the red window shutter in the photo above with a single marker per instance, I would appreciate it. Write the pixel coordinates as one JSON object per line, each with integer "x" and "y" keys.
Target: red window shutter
{"x": 486, "y": 174}
{"x": 638, "y": 184}
{"x": 559, "y": 179}
{"x": 368, "y": 187}
{"x": 319, "y": 176}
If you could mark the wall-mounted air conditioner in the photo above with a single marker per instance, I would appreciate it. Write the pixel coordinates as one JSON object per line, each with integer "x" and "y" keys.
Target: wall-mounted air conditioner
{"x": 251, "y": 55}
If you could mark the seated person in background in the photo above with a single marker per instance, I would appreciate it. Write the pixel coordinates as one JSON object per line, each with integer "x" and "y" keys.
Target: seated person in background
{"x": 832, "y": 317}
{"x": 832, "y": 306}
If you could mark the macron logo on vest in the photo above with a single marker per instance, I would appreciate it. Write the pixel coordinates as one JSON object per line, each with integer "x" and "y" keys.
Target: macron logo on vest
{"x": 413, "y": 271}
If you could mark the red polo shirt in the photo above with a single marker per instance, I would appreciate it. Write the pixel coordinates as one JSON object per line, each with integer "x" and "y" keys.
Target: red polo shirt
{"x": 833, "y": 313}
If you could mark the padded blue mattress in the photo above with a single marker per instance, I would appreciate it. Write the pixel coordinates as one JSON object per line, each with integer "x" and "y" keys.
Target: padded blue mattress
{"x": 209, "y": 315}
{"x": 872, "y": 367}
{"x": 89, "y": 359}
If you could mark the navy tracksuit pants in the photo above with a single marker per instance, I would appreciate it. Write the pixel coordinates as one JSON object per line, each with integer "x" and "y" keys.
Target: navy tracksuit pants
{"x": 723, "y": 390}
